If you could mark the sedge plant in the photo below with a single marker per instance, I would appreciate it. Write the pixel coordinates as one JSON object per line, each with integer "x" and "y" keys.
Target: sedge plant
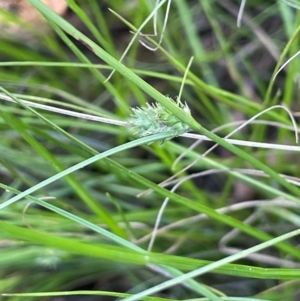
{"x": 70, "y": 211}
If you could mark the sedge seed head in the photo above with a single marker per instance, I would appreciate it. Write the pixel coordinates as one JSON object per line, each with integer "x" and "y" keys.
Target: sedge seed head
{"x": 154, "y": 118}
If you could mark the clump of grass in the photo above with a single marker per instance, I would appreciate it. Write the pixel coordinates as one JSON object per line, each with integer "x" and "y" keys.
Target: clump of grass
{"x": 70, "y": 214}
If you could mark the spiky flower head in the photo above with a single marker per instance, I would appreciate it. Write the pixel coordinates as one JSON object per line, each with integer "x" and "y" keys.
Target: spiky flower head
{"x": 154, "y": 119}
